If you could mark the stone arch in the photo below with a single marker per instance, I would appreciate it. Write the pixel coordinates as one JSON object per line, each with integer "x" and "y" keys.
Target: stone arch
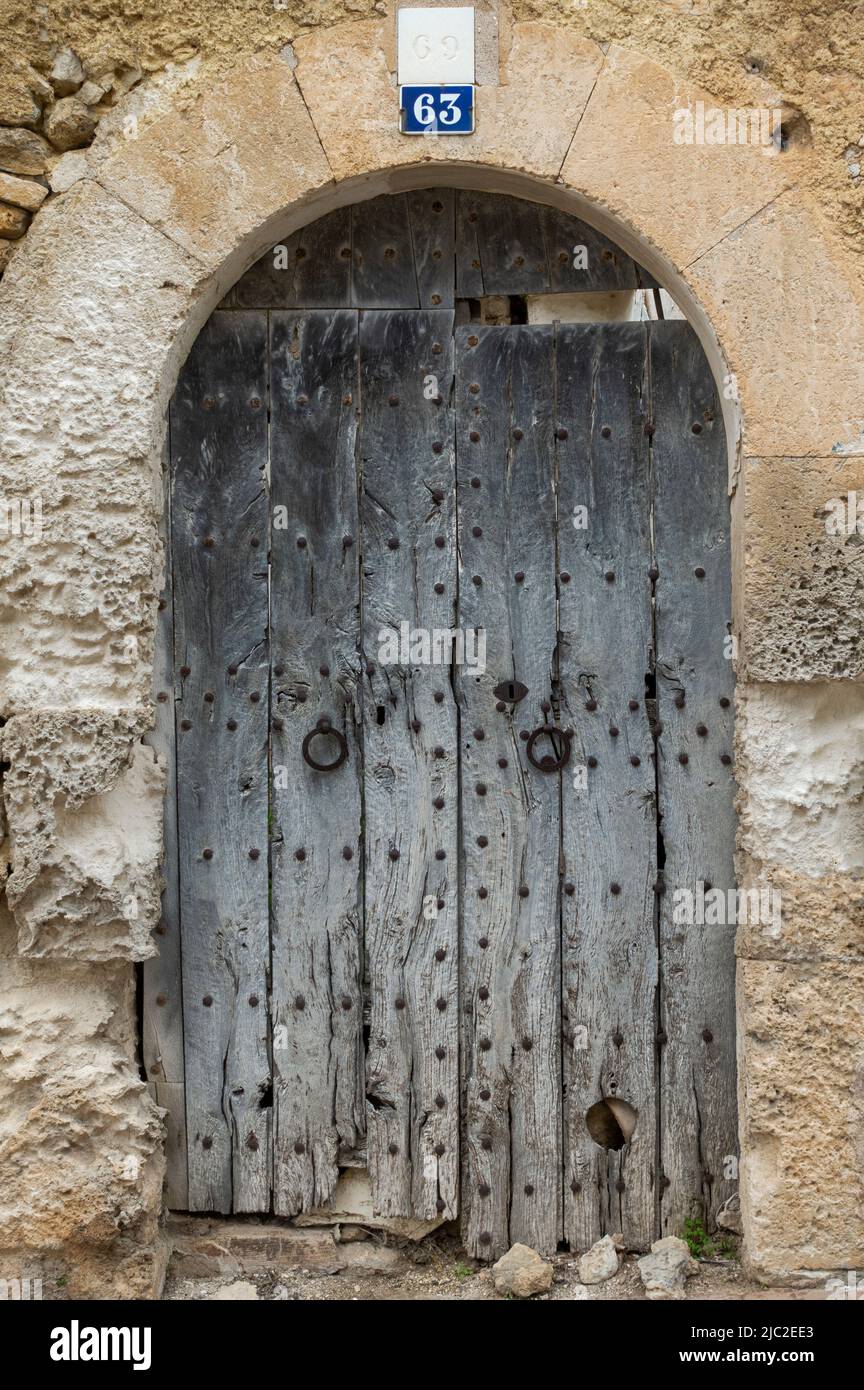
{"x": 191, "y": 177}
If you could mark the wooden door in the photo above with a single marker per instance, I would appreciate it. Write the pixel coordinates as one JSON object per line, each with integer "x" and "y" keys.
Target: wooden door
{"x": 452, "y": 728}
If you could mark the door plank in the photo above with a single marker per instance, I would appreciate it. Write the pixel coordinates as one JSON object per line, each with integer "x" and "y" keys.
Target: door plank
{"x": 609, "y": 860}
{"x": 311, "y": 269}
{"x": 162, "y": 1004}
{"x": 697, "y": 1001}
{"x": 432, "y": 213}
{"x": 510, "y": 949}
{"x": 317, "y": 1002}
{"x": 218, "y": 508}
{"x": 407, "y": 508}
{"x": 383, "y": 275}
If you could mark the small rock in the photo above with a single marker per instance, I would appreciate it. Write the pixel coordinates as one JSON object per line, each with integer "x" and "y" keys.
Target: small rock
{"x": 70, "y": 124}
{"x": 24, "y": 193}
{"x": 619, "y": 1242}
{"x": 665, "y": 1271}
{"x": 599, "y": 1263}
{"x": 240, "y": 1290}
{"x": 6, "y": 250}
{"x": 13, "y": 222}
{"x": 348, "y": 1235}
{"x": 729, "y": 1216}
{"x": 522, "y": 1272}
{"x": 92, "y": 93}
{"x": 23, "y": 151}
{"x": 854, "y": 170}
{"x": 66, "y": 73}
{"x": 69, "y": 169}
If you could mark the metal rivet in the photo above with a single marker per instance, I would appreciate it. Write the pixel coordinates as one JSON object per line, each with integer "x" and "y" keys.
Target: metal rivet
{"x": 654, "y": 573}
{"x": 701, "y": 730}
{"x": 620, "y": 1185}
{"x": 253, "y": 1001}
{"x": 300, "y": 1002}
{"x": 485, "y": 1094}
{"x": 254, "y": 542}
{"x": 635, "y": 760}
{"x": 474, "y": 388}
{"x": 302, "y": 400}
{"x": 441, "y": 1005}
{"x": 565, "y": 577}
{"x": 439, "y": 588}
{"x": 438, "y": 697}
{"x": 254, "y": 854}
{"x": 209, "y": 542}
{"x": 485, "y": 1044}
{"x": 482, "y": 841}
{"x": 301, "y": 542}
{"x": 484, "y": 1190}
{"x": 416, "y": 725}
{"x": 185, "y": 723}
{"x": 545, "y": 706}
{"x": 436, "y": 348}
{"x": 300, "y": 854}
{"x": 613, "y": 730}
{"x": 279, "y": 670}
{"x": 277, "y": 725}
{"x": 347, "y": 542}
{"x": 569, "y": 889}
{"x": 502, "y": 762}
{"x": 725, "y": 759}
{"x": 440, "y": 542}
{"x": 475, "y": 482}
{"x": 438, "y": 751}
{"x": 440, "y": 1101}
{"x": 483, "y": 992}
{"x": 480, "y": 789}
{"x": 440, "y": 854}
{"x": 206, "y": 1142}
{"x": 618, "y": 1038}
{"x": 185, "y": 670}
{"x": 699, "y": 572}
{"x": 473, "y": 340}
{"x": 346, "y": 1002}
{"x": 561, "y": 434}
{"x": 299, "y": 1147}
{"x": 724, "y": 702}
{"x": 679, "y": 700}
{"x": 207, "y": 854}
{"x": 605, "y": 431}
{"x": 438, "y": 803}
{"x": 591, "y": 705}
{"x": 615, "y": 889}
{"x": 392, "y": 400}
{"x": 393, "y": 1149}
{"x": 482, "y": 892}
{"x": 474, "y": 437}
{"x": 524, "y": 735}
{"x": 393, "y": 543}
{"x": 519, "y": 576}
{"x": 609, "y": 576}
{"x": 437, "y": 494}
{"x": 529, "y": 1190}
{"x": 524, "y": 891}
{"x": 324, "y": 671}
{"x": 683, "y": 759}
{"x": 440, "y": 1053}
{"x": 696, "y": 428}
{"x": 161, "y": 999}
{"x": 440, "y": 953}
{"x": 477, "y": 579}
{"x": 394, "y": 854}
{"x": 477, "y": 532}
{"x": 591, "y": 761}
{"x": 485, "y": 1238}
{"x": 707, "y": 1035}
{"x": 517, "y": 434}
{"x": 400, "y": 1003}
{"x": 486, "y": 1143}
{"x": 575, "y": 1187}
{"x": 633, "y": 704}
{"x": 207, "y": 1001}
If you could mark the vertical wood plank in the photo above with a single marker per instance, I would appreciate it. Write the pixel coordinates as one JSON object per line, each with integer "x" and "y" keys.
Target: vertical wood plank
{"x": 317, "y": 1001}
{"x": 383, "y": 275}
{"x": 163, "y": 977}
{"x": 609, "y": 861}
{"x": 219, "y": 544}
{"x": 311, "y": 269}
{"x": 432, "y": 213}
{"x": 469, "y": 271}
{"x": 510, "y": 950}
{"x": 410, "y": 751}
{"x": 698, "y": 1111}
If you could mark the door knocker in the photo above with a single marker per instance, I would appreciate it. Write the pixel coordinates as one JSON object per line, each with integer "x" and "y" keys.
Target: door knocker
{"x": 324, "y": 729}
{"x": 560, "y": 740}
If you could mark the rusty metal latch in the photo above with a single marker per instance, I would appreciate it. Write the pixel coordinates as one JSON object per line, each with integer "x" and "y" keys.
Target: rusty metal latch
{"x": 560, "y": 740}
{"x": 324, "y": 729}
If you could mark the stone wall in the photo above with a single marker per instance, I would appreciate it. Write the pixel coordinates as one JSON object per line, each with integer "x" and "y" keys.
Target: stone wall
{"x": 149, "y": 198}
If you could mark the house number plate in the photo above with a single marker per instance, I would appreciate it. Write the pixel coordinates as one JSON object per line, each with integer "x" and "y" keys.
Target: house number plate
{"x": 437, "y": 110}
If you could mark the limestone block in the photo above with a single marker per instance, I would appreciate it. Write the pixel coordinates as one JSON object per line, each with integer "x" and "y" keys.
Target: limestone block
{"x": 801, "y": 1105}
{"x": 803, "y": 584}
{"x": 81, "y": 1159}
{"x": 83, "y": 806}
{"x": 90, "y": 315}
{"x": 14, "y": 222}
{"x": 684, "y": 198}
{"x": 70, "y": 124}
{"x": 800, "y": 762}
{"x": 210, "y": 174}
{"x": 24, "y": 193}
{"x": 818, "y": 919}
{"x": 789, "y": 311}
{"x": 525, "y": 123}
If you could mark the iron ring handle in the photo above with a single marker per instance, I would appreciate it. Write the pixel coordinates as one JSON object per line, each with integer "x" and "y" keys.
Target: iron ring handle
{"x": 325, "y": 729}
{"x": 547, "y": 763}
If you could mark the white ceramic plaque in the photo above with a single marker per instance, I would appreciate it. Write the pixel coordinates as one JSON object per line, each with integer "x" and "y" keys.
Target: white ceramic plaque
{"x": 436, "y": 45}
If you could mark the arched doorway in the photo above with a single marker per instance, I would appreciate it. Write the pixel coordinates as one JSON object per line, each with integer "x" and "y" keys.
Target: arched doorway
{"x": 436, "y": 935}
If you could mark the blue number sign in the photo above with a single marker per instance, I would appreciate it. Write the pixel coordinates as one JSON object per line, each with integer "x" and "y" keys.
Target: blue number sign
{"x": 437, "y": 110}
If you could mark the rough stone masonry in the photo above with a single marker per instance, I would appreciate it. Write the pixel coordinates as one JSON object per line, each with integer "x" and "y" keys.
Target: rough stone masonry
{"x": 134, "y": 189}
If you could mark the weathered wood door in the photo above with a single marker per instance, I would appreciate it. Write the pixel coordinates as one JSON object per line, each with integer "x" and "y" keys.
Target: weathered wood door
{"x": 446, "y": 702}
